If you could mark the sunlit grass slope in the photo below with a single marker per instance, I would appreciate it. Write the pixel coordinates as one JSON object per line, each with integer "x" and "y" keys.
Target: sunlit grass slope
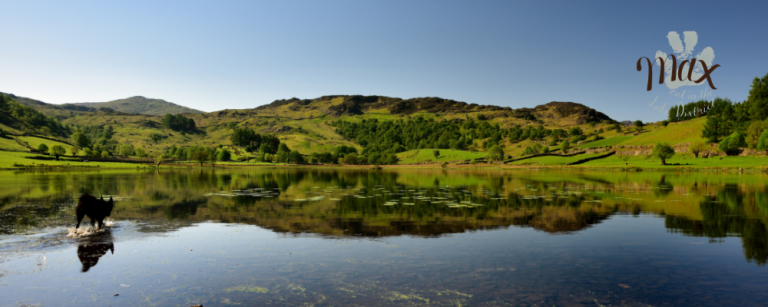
{"x": 427, "y": 155}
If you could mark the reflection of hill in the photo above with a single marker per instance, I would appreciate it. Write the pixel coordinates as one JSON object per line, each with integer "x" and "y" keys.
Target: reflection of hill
{"x": 337, "y": 202}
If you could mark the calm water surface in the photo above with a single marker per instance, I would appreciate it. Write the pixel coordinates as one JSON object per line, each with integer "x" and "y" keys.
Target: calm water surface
{"x": 292, "y": 237}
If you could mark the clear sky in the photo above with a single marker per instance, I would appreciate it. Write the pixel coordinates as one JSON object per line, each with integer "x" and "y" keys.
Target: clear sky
{"x": 213, "y": 55}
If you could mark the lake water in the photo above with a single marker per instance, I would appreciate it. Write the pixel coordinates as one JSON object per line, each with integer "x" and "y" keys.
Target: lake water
{"x": 328, "y": 237}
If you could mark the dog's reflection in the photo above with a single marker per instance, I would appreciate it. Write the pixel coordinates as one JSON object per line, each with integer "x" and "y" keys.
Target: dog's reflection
{"x": 93, "y": 247}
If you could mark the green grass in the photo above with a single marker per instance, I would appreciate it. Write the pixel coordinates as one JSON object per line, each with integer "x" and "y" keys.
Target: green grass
{"x": 675, "y": 133}
{"x": 606, "y": 142}
{"x": 35, "y": 141}
{"x": 715, "y": 162}
{"x": 11, "y": 145}
{"x": 553, "y": 160}
{"x": 427, "y": 155}
{"x": 17, "y": 159}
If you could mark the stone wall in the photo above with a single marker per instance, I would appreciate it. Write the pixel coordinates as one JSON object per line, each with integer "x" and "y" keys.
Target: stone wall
{"x": 682, "y": 148}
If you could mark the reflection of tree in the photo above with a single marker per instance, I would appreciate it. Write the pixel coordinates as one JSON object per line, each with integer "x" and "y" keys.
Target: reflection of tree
{"x": 662, "y": 188}
{"x": 725, "y": 215}
{"x": 18, "y": 214}
{"x": 183, "y": 208}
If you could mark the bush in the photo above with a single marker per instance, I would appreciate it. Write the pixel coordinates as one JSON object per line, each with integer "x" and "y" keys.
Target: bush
{"x": 564, "y": 146}
{"x": 141, "y": 153}
{"x": 42, "y": 148}
{"x": 731, "y": 144}
{"x": 762, "y": 144}
{"x": 496, "y": 153}
{"x": 664, "y": 123}
{"x": 224, "y": 155}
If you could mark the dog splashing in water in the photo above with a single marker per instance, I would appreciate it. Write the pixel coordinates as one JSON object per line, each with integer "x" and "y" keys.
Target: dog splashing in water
{"x": 95, "y": 209}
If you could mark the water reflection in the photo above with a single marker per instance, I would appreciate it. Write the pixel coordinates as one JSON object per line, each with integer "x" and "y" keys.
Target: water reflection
{"x": 91, "y": 248}
{"x": 395, "y": 203}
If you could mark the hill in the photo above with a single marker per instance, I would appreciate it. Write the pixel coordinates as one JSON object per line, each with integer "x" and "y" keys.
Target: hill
{"x": 138, "y": 105}
{"x": 411, "y": 128}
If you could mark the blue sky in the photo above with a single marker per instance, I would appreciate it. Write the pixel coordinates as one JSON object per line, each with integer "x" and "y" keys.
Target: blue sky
{"x": 213, "y": 55}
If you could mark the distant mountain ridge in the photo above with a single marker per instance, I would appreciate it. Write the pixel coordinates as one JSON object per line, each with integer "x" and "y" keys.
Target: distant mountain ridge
{"x": 139, "y": 105}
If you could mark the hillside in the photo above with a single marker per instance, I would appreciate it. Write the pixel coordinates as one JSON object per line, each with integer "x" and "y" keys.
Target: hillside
{"x": 312, "y": 125}
{"x": 138, "y": 105}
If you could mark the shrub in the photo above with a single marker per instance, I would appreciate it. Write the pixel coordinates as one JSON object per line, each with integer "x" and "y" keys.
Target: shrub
{"x": 731, "y": 144}
{"x": 762, "y": 144}
{"x": 697, "y": 147}
{"x": 224, "y": 155}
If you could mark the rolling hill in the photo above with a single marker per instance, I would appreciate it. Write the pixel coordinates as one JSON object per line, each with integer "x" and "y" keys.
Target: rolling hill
{"x": 139, "y": 105}
{"x": 306, "y": 125}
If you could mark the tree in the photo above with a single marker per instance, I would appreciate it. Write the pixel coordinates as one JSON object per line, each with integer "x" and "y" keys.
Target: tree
{"x": 762, "y": 144}
{"x": 178, "y": 122}
{"x": 58, "y": 150}
{"x": 126, "y": 150}
{"x": 436, "y": 153}
{"x": 224, "y": 155}
{"x": 74, "y": 150}
{"x": 663, "y": 151}
{"x": 295, "y": 157}
{"x": 81, "y": 139}
{"x": 719, "y": 118}
{"x": 350, "y": 159}
{"x": 212, "y": 158}
{"x": 753, "y": 133}
{"x": 575, "y": 131}
{"x": 496, "y": 153}
{"x": 697, "y": 147}
{"x": 42, "y": 148}
{"x": 141, "y": 153}
{"x": 105, "y": 154}
{"x": 564, "y": 146}
{"x": 200, "y": 156}
{"x": 155, "y": 137}
{"x": 758, "y": 98}
{"x": 246, "y": 137}
{"x": 664, "y": 123}
{"x": 731, "y": 144}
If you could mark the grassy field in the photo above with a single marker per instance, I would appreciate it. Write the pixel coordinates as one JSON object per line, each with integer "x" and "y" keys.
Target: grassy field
{"x": 17, "y": 159}
{"x": 552, "y": 160}
{"x": 684, "y": 160}
{"x": 11, "y": 145}
{"x": 35, "y": 141}
{"x": 427, "y": 155}
{"x": 675, "y": 133}
{"x": 606, "y": 142}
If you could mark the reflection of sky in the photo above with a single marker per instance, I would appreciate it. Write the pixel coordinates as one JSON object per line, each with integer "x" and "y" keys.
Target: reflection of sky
{"x": 199, "y": 264}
